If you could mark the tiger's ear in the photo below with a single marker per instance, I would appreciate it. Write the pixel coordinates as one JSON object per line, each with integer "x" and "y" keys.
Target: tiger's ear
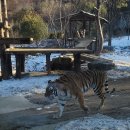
{"x": 49, "y": 81}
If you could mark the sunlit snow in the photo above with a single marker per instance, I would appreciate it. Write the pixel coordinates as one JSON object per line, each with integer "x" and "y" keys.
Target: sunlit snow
{"x": 96, "y": 122}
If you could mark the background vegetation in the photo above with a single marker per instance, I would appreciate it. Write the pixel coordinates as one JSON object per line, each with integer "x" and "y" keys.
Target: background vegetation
{"x": 35, "y": 18}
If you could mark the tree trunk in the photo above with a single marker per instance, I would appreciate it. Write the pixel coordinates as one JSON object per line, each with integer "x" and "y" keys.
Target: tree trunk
{"x": 61, "y": 26}
{"x": 100, "y": 38}
{"x": 109, "y": 25}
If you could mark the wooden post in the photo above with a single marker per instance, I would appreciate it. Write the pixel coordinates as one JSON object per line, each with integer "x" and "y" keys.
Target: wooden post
{"x": 18, "y": 65}
{"x": 22, "y": 63}
{"x": 77, "y": 62}
{"x": 89, "y": 29}
{"x": 8, "y": 63}
{"x": 70, "y": 30}
{"x": 1, "y": 21}
{"x": 48, "y": 63}
{"x": 5, "y": 17}
{"x": 2, "y": 47}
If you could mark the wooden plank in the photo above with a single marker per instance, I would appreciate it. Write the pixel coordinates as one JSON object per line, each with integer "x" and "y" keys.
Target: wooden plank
{"x": 45, "y": 50}
{"x": 9, "y": 41}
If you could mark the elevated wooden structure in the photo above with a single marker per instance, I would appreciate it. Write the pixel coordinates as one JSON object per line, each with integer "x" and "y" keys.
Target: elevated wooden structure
{"x": 75, "y": 30}
{"x": 20, "y": 52}
{"x": 6, "y": 65}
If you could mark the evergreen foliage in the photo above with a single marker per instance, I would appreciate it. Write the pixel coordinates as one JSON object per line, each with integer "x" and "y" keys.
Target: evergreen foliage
{"x": 31, "y": 25}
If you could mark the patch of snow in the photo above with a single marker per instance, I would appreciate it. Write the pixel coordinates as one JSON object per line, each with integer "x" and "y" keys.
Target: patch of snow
{"x": 120, "y": 41}
{"x": 24, "y": 86}
{"x": 34, "y": 62}
{"x": 96, "y": 122}
{"x": 120, "y": 56}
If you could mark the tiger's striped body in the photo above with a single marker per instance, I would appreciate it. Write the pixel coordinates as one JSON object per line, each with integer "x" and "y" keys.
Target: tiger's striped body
{"x": 75, "y": 84}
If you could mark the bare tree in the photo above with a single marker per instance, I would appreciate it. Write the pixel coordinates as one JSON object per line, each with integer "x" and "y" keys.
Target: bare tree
{"x": 100, "y": 38}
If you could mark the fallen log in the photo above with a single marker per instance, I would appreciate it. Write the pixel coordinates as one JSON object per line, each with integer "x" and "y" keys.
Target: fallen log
{"x": 101, "y": 65}
{"x": 61, "y": 63}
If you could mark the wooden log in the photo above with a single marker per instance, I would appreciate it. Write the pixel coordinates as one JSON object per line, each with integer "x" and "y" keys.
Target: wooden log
{"x": 61, "y": 63}
{"x": 77, "y": 62}
{"x": 102, "y": 66}
{"x": 92, "y": 58}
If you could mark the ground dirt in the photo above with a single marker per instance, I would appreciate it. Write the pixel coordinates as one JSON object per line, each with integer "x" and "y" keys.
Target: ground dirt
{"x": 116, "y": 106}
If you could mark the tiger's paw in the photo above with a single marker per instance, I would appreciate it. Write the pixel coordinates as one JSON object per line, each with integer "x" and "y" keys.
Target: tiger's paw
{"x": 100, "y": 107}
{"x": 86, "y": 109}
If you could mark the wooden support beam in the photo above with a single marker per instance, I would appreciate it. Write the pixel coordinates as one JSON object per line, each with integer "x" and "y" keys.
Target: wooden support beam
{"x": 4, "y": 67}
{"x": 1, "y": 24}
{"x": 8, "y": 41}
{"x": 22, "y": 63}
{"x": 18, "y": 66}
{"x": 77, "y": 62}
{"x": 48, "y": 63}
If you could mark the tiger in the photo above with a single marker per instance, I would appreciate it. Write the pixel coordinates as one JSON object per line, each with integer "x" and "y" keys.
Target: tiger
{"x": 75, "y": 85}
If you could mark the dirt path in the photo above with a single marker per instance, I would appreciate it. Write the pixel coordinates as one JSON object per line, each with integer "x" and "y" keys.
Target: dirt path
{"x": 117, "y": 106}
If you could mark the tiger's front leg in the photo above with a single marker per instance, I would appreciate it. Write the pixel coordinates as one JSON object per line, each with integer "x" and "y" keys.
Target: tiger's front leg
{"x": 81, "y": 102}
{"x": 61, "y": 105}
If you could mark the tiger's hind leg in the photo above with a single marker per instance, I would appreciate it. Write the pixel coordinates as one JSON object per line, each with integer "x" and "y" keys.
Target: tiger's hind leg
{"x": 99, "y": 92}
{"x": 102, "y": 101}
{"x": 81, "y": 102}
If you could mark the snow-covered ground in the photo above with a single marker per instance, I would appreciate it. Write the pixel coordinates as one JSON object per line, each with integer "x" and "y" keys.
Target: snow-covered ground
{"x": 97, "y": 122}
{"x": 121, "y": 57}
{"x": 25, "y": 86}
{"x": 28, "y": 85}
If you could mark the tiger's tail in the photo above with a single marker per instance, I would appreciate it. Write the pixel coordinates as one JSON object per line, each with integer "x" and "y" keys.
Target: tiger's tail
{"x": 107, "y": 89}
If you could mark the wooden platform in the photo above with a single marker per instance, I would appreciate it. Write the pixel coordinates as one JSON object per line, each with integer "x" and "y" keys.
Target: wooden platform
{"x": 21, "y": 52}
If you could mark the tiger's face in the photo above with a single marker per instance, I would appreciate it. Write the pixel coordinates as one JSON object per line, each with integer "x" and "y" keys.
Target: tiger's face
{"x": 49, "y": 93}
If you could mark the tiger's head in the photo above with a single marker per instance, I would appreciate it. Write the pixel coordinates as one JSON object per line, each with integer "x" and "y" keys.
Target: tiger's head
{"x": 50, "y": 90}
